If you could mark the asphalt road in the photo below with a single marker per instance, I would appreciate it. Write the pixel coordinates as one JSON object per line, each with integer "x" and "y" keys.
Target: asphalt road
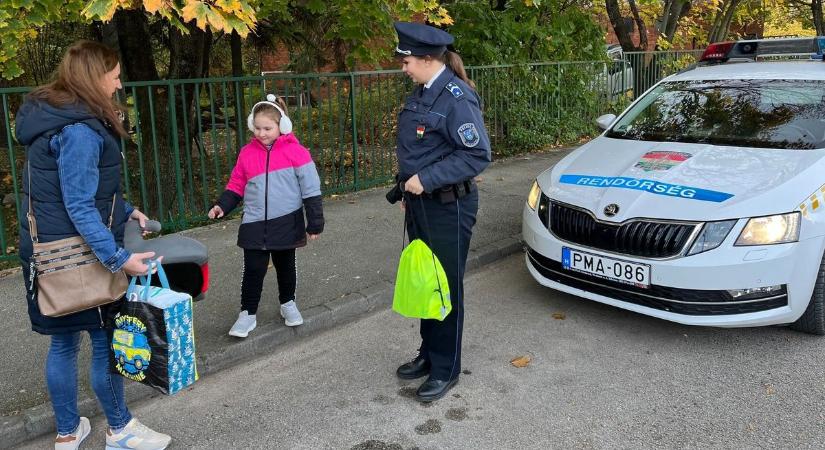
{"x": 598, "y": 377}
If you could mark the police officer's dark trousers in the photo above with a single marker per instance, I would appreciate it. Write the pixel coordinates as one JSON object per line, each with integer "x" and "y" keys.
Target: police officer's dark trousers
{"x": 447, "y": 230}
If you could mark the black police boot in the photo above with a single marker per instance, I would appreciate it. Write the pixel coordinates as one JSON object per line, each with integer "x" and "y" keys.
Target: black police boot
{"x": 433, "y": 390}
{"x": 416, "y": 368}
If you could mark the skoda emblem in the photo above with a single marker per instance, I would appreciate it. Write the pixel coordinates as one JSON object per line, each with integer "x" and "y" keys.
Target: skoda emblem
{"x": 611, "y": 210}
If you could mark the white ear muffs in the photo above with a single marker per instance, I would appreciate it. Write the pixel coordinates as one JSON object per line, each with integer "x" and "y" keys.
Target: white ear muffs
{"x": 285, "y": 124}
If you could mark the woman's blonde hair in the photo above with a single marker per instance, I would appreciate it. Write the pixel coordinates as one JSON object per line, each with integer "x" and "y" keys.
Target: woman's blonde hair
{"x": 78, "y": 80}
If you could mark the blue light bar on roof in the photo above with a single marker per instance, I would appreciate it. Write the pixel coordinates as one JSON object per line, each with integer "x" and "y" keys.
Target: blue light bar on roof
{"x": 753, "y": 49}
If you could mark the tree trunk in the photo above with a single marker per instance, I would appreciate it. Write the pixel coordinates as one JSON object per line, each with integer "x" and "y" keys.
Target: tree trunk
{"x": 189, "y": 58}
{"x": 138, "y": 64}
{"x": 617, "y": 22}
{"x": 186, "y": 55}
{"x": 722, "y": 20}
{"x": 237, "y": 54}
{"x": 640, "y": 25}
{"x": 638, "y": 62}
{"x": 108, "y": 34}
{"x": 816, "y": 11}
{"x": 672, "y": 13}
{"x": 340, "y": 52}
{"x": 726, "y": 20}
{"x": 713, "y": 33}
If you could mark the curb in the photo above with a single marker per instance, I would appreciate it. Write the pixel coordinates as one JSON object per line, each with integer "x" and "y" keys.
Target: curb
{"x": 39, "y": 420}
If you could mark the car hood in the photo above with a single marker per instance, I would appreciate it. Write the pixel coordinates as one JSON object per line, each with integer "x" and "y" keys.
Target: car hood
{"x": 683, "y": 181}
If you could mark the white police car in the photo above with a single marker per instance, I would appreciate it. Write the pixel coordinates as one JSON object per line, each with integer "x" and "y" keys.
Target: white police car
{"x": 702, "y": 203}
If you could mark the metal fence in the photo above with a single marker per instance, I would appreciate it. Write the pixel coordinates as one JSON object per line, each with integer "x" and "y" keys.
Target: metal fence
{"x": 185, "y": 134}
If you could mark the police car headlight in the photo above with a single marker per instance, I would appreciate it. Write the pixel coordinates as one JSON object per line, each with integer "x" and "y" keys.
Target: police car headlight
{"x": 533, "y": 196}
{"x": 712, "y": 236}
{"x": 777, "y": 229}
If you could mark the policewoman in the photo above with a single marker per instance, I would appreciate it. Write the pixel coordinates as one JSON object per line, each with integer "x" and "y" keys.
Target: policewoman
{"x": 441, "y": 146}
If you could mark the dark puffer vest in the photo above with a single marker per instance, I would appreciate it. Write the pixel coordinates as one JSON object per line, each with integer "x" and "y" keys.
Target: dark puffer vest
{"x": 36, "y": 123}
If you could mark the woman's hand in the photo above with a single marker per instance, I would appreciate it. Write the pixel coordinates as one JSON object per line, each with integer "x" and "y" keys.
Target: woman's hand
{"x": 135, "y": 266}
{"x": 215, "y": 213}
{"x": 312, "y": 237}
{"x": 141, "y": 218}
{"x": 413, "y": 185}
{"x": 403, "y": 205}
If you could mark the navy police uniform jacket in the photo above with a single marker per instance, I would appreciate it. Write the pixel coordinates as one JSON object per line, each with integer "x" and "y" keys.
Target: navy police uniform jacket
{"x": 441, "y": 135}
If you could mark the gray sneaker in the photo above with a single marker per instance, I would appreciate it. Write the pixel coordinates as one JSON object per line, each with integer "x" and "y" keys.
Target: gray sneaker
{"x": 292, "y": 317}
{"x": 243, "y": 325}
{"x": 136, "y": 436}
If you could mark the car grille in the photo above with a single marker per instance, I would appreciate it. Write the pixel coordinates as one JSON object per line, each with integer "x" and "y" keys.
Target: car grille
{"x": 646, "y": 238}
{"x": 691, "y": 302}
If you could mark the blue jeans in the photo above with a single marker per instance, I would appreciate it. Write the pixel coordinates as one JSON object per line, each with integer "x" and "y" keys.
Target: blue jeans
{"x": 61, "y": 379}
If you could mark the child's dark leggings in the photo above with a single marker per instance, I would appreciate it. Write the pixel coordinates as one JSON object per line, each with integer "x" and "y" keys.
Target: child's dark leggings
{"x": 255, "y": 263}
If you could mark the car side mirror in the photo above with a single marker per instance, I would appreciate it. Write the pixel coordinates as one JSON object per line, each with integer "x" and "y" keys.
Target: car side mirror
{"x": 605, "y": 121}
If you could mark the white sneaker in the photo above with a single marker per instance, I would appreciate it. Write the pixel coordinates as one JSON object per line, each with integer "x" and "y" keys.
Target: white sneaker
{"x": 72, "y": 441}
{"x": 136, "y": 436}
{"x": 292, "y": 317}
{"x": 243, "y": 325}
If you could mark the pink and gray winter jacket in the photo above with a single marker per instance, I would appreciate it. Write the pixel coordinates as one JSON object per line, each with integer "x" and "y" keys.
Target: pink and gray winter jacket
{"x": 275, "y": 185}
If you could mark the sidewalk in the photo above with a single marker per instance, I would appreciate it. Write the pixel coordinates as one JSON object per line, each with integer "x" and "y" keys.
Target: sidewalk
{"x": 348, "y": 272}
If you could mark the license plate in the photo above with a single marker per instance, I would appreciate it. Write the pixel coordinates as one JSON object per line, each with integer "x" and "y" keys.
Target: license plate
{"x": 607, "y": 268}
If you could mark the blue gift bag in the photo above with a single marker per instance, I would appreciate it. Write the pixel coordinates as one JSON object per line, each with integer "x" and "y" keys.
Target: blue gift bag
{"x": 153, "y": 340}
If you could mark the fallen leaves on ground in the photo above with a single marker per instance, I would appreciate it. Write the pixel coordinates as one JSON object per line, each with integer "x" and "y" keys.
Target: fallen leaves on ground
{"x": 520, "y": 361}
{"x": 559, "y": 316}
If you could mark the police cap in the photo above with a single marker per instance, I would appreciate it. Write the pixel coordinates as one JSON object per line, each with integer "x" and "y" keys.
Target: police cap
{"x": 417, "y": 39}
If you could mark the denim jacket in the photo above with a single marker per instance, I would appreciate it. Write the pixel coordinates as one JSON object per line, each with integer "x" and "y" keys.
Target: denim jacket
{"x": 77, "y": 149}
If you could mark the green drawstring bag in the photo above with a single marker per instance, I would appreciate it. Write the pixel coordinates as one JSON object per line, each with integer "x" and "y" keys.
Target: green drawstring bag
{"x": 421, "y": 289}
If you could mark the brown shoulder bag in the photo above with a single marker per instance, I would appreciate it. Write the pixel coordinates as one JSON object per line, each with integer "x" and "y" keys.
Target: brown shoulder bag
{"x": 65, "y": 275}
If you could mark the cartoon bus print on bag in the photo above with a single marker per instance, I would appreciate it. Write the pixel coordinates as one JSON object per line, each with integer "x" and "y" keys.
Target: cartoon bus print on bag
{"x": 131, "y": 348}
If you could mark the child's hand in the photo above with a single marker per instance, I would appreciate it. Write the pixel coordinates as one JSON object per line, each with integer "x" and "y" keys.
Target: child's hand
{"x": 215, "y": 213}
{"x": 312, "y": 237}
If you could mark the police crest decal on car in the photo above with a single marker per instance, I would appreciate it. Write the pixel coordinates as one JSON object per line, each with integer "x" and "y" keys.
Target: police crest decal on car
{"x": 659, "y": 161}
{"x": 468, "y": 134}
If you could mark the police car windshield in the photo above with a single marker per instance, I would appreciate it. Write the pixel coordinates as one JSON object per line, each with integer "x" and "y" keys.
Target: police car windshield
{"x": 783, "y": 114}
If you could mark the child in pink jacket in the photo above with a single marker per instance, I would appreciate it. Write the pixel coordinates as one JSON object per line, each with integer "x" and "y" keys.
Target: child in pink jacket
{"x": 277, "y": 181}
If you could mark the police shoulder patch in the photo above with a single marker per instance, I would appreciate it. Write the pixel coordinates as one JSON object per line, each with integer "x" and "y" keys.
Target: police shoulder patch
{"x": 454, "y": 89}
{"x": 468, "y": 134}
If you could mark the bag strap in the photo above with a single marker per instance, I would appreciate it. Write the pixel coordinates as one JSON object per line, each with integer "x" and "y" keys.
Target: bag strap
{"x": 432, "y": 253}
{"x": 30, "y": 212}
{"x": 430, "y": 236}
{"x": 146, "y": 281}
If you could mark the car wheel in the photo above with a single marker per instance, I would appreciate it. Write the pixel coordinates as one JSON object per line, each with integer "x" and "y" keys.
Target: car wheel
{"x": 122, "y": 360}
{"x": 813, "y": 319}
{"x": 138, "y": 364}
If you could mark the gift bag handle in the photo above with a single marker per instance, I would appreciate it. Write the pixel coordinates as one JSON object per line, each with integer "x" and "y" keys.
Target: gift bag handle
{"x": 146, "y": 281}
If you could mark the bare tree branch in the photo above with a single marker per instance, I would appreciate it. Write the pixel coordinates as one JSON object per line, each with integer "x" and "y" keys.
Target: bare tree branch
{"x": 640, "y": 24}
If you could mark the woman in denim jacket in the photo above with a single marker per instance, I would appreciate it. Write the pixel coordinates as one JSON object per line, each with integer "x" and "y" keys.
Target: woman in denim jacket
{"x": 72, "y": 129}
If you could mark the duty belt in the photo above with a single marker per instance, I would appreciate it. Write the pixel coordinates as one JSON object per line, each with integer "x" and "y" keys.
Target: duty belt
{"x": 451, "y": 192}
